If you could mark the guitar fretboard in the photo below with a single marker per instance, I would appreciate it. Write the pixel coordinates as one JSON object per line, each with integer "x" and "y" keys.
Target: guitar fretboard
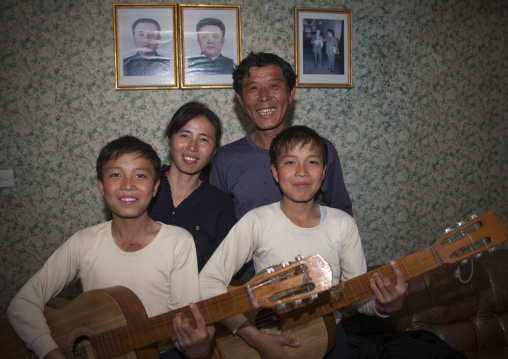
{"x": 134, "y": 336}
{"x": 356, "y": 289}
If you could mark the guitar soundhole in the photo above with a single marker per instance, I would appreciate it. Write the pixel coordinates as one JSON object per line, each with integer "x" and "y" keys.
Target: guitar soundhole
{"x": 83, "y": 348}
{"x": 268, "y": 320}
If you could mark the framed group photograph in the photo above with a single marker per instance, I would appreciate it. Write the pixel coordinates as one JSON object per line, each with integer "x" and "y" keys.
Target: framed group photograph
{"x": 146, "y": 46}
{"x": 210, "y": 45}
{"x": 323, "y": 47}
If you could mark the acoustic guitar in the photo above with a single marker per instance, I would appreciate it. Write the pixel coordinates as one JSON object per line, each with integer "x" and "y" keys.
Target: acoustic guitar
{"x": 470, "y": 238}
{"x": 111, "y": 322}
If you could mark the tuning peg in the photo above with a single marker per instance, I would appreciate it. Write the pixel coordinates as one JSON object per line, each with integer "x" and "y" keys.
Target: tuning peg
{"x": 298, "y": 301}
{"x": 477, "y": 255}
{"x": 473, "y": 216}
{"x": 298, "y": 258}
{"x": 281, "y": 306}
{"x": 461, "y": 223}
{"x": 464, "y": 262}
{"x": 313, "y": 297}
{"x": 447, "y": 230}
{"x": 269, "y": 270}
{"x": 492, "y": 249}
{"x": 284, "y": 264}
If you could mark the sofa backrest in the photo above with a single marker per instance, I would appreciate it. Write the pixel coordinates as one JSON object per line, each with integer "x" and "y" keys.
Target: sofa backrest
{"x": 470, "y": 316}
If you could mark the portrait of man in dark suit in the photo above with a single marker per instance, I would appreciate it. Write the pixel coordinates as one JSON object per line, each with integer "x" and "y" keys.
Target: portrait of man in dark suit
{"x": 146, "y": 35}
{"x": 211, "y": 34}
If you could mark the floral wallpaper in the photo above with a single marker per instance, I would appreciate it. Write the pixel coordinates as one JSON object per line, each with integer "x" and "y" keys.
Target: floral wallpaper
{"x": 422, "y": 135}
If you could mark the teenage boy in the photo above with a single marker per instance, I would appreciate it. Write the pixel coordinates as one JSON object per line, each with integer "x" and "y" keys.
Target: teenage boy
{"x": 156, "y": 261}
{"x": 296, "y": 225}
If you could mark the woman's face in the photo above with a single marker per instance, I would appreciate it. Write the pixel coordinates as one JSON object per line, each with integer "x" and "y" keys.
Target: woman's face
{"x": 193, "y": 146}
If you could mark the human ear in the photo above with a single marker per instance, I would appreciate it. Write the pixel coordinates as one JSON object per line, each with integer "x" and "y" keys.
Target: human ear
{"x": 156, "y": 187}
{"x": 275, "y": 174}
{"x": 101, "y": 186}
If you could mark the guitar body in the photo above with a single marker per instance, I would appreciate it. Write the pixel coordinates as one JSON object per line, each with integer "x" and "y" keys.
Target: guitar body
{"x": 92, "y": 312}
{"x": 317, "y": 337}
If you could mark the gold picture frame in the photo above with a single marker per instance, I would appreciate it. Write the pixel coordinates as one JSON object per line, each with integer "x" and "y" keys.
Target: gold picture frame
{"x": 318, "y": 44}
{"x": 146, "y": 46}
{"x": 206, "y": 58}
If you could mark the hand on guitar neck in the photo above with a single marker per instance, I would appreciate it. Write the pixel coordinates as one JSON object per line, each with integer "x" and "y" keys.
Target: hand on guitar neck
{"x": 193, "y": 342}
{"x": 389, "y": 297}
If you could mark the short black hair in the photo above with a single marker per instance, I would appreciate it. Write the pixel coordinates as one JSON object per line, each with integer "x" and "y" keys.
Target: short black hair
{"x": 125, "y": 145}
{"x": 192, "y": 110}
{"x": 262, "y": 59}
{"x": 146, "y": 20}
{"x": 211, "y": 21}
{"x": 333, "y": 32}
{"x": 297, "y": 136}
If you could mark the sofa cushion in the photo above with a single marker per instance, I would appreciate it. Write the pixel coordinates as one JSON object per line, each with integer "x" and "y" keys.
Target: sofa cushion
{"x": 471, "y": 317}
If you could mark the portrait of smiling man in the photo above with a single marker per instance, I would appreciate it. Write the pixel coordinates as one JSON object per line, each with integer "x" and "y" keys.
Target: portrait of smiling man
{"x": 211, "y": 34}
{"x": 146, "y": 36}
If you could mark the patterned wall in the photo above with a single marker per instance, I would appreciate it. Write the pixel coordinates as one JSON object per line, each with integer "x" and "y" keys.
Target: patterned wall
{"x": 422, "y": 135}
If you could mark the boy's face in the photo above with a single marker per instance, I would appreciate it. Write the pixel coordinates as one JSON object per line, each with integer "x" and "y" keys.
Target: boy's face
{"x": 128, "y": 185}
{"x": 300, "y": 172}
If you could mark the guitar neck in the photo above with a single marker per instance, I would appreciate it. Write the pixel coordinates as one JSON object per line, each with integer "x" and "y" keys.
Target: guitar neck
{"x": 138, "y": 335}
{"x": 358, "y": 288}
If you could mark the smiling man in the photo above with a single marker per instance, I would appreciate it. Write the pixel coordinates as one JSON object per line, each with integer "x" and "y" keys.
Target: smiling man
{"x": 146, "y": 35}
{"x": 265, "y": 87}
{"x": 211, "y": 34}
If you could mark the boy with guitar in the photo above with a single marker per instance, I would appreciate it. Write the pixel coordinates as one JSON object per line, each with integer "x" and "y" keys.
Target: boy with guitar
{"x": 155, "y": 261}
{"x": 294, "y": 226}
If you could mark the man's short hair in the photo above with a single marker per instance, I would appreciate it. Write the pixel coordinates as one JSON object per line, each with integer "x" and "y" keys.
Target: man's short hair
{"x": 125, "y": 145}
{"x": 189, "y": 111}
{"x": 145, "y": 20}
{"x": 262, "y": 59}
{"x": 297, "y": 136}
{"x": 333, "y": 32}
{"x": 211, "y": 21}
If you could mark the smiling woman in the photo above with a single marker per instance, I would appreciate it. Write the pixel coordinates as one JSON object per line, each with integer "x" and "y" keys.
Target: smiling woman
{"x": 185, "y": 197}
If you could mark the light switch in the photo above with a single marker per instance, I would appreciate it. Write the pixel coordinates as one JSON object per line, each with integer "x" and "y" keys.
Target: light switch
{"x": 6, "y": 178}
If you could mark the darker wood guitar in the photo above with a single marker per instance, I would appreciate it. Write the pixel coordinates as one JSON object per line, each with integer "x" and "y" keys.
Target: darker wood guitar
{"x": 471, "y": 238}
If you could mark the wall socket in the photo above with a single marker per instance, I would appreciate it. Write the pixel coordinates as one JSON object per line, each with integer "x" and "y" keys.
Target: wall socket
{"x": 6, "y": 178}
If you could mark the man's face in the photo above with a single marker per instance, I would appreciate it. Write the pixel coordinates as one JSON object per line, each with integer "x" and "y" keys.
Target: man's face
{"x": 146, "y": 39}
{"x": 266, "y": 98}
{"x": 210, "y": 40}
{"x": 330, "y": 34}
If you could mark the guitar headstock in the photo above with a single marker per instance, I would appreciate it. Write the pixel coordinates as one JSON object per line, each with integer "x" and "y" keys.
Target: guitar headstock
{"x": 290, "y": 282}
{"x": 471, "y": 237}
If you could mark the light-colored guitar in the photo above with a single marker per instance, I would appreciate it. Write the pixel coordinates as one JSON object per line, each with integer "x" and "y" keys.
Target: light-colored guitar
{"x": 470, "y": 238}
{"x": 111, "y": 322}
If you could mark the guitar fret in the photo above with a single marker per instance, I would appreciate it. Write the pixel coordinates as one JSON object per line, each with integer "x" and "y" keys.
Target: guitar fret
{"x": 361, "y": 286}
{"x": 207, "y": 311}
{"x": 421, "y": 265}
{"x": 405, "y": 267}
{"x": 165, "y": 322}
{"x": 149, "y": 332}
{"x": 118, "y": 339}
{"x": 352, "y": 290}
{"x": 234, "y": 301}
{"x": 220, "y": 307}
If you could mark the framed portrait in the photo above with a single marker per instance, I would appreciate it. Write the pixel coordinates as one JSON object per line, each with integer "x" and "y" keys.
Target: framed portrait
{"x": 323, "y": 47}
{"x": 210, "y": 43}
{"x": 146, "y": 46}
